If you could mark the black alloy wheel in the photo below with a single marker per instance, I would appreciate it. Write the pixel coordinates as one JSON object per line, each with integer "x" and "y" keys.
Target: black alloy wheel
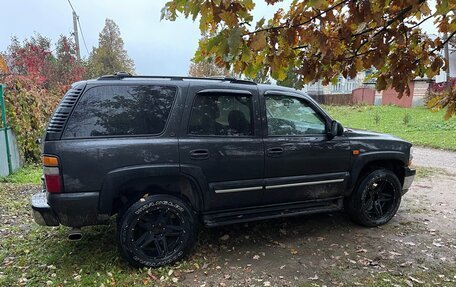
{"x": 376, "y": 198}
{"x": 156, "y": 231}
{"x": 379, "y": 198}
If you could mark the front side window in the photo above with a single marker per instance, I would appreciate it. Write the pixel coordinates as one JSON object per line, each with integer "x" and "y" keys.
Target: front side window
{"x": 221, "y": 114}
{"x": 120, "y": 111}
{"x": 290, "y": 116}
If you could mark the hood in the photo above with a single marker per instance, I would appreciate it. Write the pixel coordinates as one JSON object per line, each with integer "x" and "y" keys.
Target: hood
{"x": 373, "y": 141}
{"x": 367, "y": 134}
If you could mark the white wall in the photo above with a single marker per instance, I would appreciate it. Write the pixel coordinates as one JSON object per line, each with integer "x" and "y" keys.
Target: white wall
{"x": 442, "y": 76}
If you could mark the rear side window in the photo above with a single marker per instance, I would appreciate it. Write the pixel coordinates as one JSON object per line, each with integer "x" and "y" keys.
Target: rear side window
{"x": 221, "y": 114}
{"x": 120, "y": 111}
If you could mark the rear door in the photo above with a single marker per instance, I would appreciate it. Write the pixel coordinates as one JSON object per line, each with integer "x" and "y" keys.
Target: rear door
{"x": 220, "y": 140}
{"x": 302, "y": 162}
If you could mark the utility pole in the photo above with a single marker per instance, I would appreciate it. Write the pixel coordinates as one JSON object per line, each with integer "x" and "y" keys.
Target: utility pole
{"x": 76, "y": 36}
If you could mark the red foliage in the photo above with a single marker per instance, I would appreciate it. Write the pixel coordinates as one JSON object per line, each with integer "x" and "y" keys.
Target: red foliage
{"x": 31, "y": 60}
{"x": 34, "y": 59}
{"x": 441, "y": 87}
{"x": 39, "y": 79}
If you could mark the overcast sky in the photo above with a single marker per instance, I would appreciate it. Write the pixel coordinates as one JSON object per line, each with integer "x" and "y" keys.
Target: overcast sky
{"x": 157, "y": 47}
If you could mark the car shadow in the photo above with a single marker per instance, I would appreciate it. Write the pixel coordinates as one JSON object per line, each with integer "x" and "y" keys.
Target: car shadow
{"x": 98, "y": 244}
{"x": 281, "y": 230}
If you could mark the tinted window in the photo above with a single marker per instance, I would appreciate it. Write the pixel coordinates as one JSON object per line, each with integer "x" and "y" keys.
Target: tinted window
{"x": 292, "y": 116}
{"x": 221, "y": 114}
{"x": 121, "y": 110}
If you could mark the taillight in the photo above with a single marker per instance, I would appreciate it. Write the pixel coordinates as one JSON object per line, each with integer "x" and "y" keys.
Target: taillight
{"x": 51, "y": 174}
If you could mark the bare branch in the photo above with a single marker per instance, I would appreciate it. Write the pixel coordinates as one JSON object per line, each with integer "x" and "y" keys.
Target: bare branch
{"x": 422, "y": 21}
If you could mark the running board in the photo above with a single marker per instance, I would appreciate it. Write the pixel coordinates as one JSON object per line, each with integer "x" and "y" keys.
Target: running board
{"x": 273, "y": 211}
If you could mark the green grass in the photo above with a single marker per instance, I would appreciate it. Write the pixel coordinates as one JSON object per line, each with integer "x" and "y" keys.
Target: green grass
{"x": 32, "y": 255}
{"x": 417, "y": 125}
{"x": 28, "y": 174}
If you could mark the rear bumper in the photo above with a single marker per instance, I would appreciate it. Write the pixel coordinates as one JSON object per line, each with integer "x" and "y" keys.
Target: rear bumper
{"x": 409, "y": 176}
{"x": 42, "y": 212}
{"x": 70, "y": 209}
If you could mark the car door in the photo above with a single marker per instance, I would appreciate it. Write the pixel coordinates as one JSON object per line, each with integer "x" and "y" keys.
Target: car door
{"x": 221, "y": 141}
{"x": 302, "y": 162}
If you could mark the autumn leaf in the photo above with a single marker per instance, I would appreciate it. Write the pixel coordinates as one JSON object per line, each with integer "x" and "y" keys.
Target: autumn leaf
{"x": 234, "y": 40}
{"x": 323, "y": 39}
{"x": 229, "y": 18}
{"x": 3, "y": 65}
{"x": 258, "y": 41}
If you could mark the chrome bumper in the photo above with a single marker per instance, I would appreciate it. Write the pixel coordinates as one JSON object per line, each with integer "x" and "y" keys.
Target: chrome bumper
{"x": 408, "y": 179}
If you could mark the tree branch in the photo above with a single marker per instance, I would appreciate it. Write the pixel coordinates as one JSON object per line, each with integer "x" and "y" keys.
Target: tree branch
{"x": 397, "y": 17}
{"x": 302, "y": 23}
{"x": 444, "y": 42}
{"x": 300, "y": 47}
{"x": 389, "y": 22}
{"x": 438, "y": 47}
{"x": 422, "y": 21}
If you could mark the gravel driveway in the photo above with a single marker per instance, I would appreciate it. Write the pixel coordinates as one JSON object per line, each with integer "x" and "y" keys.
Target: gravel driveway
{"x": 435, "y": 158}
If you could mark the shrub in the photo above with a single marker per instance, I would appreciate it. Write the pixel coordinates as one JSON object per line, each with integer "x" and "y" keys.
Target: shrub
{"x": 407, "y": 119}
{"x": 38, "y": 77}
{"x": 439, "y": 96}
{"x": 28, "y": 108}
{"x": 377, "y": 118}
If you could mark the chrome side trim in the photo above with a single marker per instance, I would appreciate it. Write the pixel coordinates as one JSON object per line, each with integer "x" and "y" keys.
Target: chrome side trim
{"x": 238, "y": 189}
{"x": 305, "y": 183}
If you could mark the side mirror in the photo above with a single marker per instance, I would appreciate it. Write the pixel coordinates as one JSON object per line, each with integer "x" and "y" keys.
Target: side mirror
{"x": 336, "y": 129}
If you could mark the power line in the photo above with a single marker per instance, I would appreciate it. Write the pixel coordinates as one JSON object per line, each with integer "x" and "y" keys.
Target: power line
{"x": 69, "y": 2}
{"x": 80, "y": 28}
{"x": 82, "y": 34}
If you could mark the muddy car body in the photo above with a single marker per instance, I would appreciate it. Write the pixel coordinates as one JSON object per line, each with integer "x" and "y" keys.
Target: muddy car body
{"x": 168, "y": 153}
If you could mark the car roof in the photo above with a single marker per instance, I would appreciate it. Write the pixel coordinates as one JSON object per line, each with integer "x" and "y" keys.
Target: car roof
{"x": 122, "y": 78}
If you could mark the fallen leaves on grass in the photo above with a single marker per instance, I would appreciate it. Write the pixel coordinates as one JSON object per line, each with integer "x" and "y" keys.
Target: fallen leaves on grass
{"x": 416, "y": 280}
{"x": 224, "y": 237}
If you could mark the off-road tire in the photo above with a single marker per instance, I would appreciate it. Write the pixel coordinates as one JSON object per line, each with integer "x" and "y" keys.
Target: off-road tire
{"x": 156, "y": 231}
{"x": 385, "y": 200}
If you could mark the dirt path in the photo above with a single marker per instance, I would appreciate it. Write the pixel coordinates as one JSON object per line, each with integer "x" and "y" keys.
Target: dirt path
{"x": 417, "y": 248}
{"x": 435, "y": 158}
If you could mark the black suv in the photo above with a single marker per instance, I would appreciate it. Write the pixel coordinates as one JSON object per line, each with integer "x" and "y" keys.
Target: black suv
{"x": 168, "y": 153}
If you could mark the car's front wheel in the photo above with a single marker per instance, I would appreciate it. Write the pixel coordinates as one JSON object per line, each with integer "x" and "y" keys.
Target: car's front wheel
{"x": 156, "y": 231}
{"x": 376, "y": 198}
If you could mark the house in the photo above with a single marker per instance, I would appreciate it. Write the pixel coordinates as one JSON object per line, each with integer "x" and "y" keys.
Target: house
{"x": 418, "y": 88}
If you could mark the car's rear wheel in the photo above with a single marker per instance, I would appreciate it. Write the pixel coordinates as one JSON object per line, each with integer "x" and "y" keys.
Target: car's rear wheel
{"x": 376, "y": 198}
{"x": 156, "y": 231}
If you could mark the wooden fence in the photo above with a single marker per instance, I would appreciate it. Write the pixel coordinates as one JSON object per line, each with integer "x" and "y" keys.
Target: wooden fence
{"x": 334, "y": 100}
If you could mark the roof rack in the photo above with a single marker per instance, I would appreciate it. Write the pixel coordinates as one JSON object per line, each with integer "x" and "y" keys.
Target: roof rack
{"x": 124, "y": 75}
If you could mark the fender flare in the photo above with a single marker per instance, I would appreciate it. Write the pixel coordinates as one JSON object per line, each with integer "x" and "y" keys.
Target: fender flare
{"x": 365, "y": 158}
{"x": 114, "y": 179}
